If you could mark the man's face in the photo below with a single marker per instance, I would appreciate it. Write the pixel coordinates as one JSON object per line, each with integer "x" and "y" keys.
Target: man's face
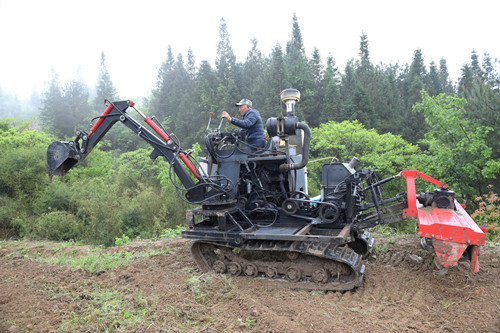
{"x": 243, "y": 109}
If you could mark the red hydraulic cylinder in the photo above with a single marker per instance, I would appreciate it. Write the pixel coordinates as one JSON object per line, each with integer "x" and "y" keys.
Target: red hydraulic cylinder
{"x": 101, "y": 120}
{"x": 165, "y": 137}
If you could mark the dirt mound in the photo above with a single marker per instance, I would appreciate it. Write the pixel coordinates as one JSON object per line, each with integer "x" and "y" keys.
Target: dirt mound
{"x": 165, "y": 292}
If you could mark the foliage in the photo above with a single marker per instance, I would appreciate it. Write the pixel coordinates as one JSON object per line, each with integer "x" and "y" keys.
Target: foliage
{"x": 56, "y": 226}
{"x": 124, "y": 240}
{"x": 463, "y": 158}
{"x": 387, "y": 153}
{"x": 173, "y": 232}
{"x": 489, "y": 213}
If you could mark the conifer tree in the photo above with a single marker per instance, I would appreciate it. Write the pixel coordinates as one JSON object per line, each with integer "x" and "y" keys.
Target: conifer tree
{"x": 104, "y": 88}
{"x": 52, "y": 106}
{"x": 331, "y": 99}
{"x": 226, "y": 69}
{"x": 298, "y": 72}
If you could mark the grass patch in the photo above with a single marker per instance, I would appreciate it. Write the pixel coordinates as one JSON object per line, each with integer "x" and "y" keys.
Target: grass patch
{"x": 96, "y": 260}
{"x": 107, "y": 311}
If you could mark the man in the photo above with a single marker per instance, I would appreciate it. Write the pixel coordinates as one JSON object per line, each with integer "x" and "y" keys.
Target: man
{"x": 251, "y": 124}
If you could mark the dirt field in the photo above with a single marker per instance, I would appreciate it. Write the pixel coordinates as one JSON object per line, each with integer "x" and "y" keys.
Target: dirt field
{"x": 165, "y": 292}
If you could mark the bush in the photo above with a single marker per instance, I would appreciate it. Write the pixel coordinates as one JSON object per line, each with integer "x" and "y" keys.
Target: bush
{"x": 55, "y": 226}
{"x": 57, "y": 196}
{"x": 489, "y": 214}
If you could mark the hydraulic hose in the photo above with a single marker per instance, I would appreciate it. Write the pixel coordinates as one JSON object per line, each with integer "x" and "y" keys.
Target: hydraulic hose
{"x": 305, "y": 150}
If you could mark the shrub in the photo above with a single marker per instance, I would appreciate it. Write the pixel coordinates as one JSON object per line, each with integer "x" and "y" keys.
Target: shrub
{"x": 489, "y": 213}
{"x": 57, "y": 196}
{"x": 56, "y": 226}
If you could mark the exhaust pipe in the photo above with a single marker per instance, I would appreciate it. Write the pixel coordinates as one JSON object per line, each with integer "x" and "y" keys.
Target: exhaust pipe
{"x": 305, "y": 150}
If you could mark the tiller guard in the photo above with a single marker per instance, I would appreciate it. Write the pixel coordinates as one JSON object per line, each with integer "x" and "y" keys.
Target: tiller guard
{"x": 452, "y": 231}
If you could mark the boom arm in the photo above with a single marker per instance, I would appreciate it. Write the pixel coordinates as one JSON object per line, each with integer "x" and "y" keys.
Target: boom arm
{"x": 62, "y": 156}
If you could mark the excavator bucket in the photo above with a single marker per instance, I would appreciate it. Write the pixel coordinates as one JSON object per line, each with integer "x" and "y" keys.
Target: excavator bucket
{"x": 442, "y": 220}
{"x": 61, "y": 156}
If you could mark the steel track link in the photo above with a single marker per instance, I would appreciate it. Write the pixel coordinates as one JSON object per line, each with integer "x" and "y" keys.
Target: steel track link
{"x": 308, "y": 265}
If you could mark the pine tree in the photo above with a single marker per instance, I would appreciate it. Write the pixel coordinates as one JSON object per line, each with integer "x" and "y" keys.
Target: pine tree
{"x": 491, "y": 75}
{"x": 444, "y": 78}
{"x": 77, "y": 109}
{"x": 161, "y": 93}
{"x": 475, "y": 66}
{"x": 104, "y": 88}
{"x": 416, "y": 82}
{"x": 315, "y": 96}
{"x": 434, "y": 86}
{"x": 298, "y": 72}
{"x": 366, "y": 88}
{"x": 52, "y": 106}
{"x": 227, "y": 70}
{"x": 274, "y": 83}
{"x": 348, "y": 109}
{"x": 331, "y": 99}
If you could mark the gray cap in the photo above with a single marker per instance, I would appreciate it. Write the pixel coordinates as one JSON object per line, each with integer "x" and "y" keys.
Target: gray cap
{"x": 244, "y": 101}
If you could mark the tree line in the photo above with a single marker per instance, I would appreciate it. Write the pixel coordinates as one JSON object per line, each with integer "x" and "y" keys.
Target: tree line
{"x": 379, "y": 96}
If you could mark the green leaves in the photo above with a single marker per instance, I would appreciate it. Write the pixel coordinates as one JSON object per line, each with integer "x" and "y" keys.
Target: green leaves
{"x": 463, "y": 156}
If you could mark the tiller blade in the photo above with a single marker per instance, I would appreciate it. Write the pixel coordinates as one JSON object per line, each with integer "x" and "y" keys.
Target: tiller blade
{"x": 453, "y": 233}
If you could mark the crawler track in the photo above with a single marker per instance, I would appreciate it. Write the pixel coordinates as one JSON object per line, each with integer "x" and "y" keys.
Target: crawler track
{"x": 306, "y": 265}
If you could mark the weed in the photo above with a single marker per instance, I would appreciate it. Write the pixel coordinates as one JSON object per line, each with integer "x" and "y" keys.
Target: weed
{"x": 172, "y": 232}
{"x": 124, "y": 240}
{"x": 106, "y": 310}
{"x": 382, "y": 248}
{"x": 248, "y": 322}
{"x": 96, "y": 260}
{"x": 195, "y": 285}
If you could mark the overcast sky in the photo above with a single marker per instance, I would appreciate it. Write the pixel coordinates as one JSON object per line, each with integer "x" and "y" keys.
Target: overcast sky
{"x": 135, "y": 34}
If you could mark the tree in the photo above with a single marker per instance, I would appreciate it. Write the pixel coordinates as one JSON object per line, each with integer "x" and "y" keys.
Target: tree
{"x": 444, "y": 78}
{"x": 104, "y": 87}
{"x": 331, "y": 102}
{"x": 386, "y": 153}
{"x": 475, "y": 66}
{"x": 315, "y": 95}
{"x": 462, "y": 156}
{"x": 226, "y": 69}
{"x": 77, "y": 112}
{"x": 274, "y": 82}
{"x": 159, "y": 103}
{"x": 52, "y": 106}
{"x": 416, "y": 82}
{"x": 298, "y": 72}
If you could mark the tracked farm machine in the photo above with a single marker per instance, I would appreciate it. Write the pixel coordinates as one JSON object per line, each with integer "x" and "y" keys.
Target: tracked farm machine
{"x": 255, "y": 218}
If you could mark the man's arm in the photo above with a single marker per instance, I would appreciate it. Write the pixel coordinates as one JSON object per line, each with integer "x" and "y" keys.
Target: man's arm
{"x": 249, "y": 120}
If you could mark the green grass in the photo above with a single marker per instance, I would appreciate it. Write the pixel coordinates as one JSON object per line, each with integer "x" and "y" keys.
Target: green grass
{"x": 107, "y": 311}
{"x": 96, "y": 260}
{"x": 172, "y": 232}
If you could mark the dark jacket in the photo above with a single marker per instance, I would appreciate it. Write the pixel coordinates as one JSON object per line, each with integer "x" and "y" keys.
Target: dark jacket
{"x": 254, "y": 129}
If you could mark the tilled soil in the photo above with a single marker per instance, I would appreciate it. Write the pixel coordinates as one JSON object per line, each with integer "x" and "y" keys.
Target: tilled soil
{"x": 401, "y": 292}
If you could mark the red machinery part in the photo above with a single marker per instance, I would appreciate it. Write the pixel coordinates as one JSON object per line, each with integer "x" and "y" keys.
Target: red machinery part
{"x": 452, "y": 231}
{"x": 101, "y": 120}
{"x": 165, "y": 137}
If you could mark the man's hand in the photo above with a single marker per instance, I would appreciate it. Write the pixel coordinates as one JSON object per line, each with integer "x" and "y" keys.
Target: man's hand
{"x": 226, "y": 115}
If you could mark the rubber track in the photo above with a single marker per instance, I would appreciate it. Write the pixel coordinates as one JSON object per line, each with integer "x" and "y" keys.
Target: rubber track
{"x": 323, "y": 253}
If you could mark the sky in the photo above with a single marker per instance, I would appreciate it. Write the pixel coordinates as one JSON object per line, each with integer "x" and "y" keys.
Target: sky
{"x": 69, "y": 35}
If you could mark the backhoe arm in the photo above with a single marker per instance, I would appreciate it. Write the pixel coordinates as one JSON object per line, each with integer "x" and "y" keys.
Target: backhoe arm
{"x": 62, "y": 156}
